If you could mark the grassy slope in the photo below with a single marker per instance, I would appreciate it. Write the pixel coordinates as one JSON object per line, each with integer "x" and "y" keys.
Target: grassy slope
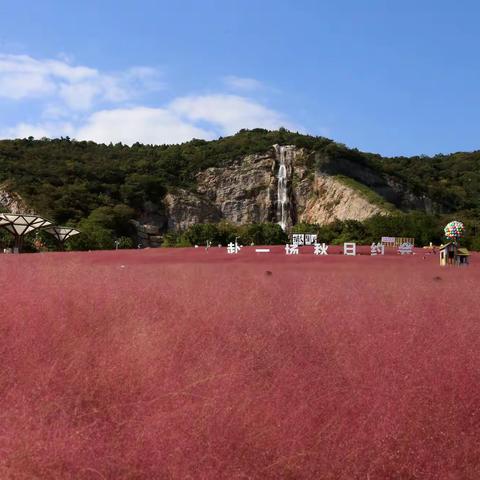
{"x": 366, "y": 193}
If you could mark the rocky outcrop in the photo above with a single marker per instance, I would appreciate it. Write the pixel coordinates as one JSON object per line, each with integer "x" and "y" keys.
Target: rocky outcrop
{"x": 246, "y": 191}
{"x": 388, "y": 187}
{"x": 328, "y": 199}
{"x": 12, "y": 202}
{"x": 148, "y": 234}
{"x": 184, "y": 209}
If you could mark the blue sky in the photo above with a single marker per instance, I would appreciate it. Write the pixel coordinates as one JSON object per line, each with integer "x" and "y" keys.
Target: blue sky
{"x": 382, "y": 76}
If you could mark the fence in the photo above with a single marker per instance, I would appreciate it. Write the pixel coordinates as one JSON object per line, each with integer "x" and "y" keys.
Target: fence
{"x": 397, "y": 241}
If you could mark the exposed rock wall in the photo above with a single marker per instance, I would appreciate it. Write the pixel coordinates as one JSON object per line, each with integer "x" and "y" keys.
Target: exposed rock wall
{"x": 184, "y": 209}
{"x": 12, "y": 202}
{"x": 246, "y": 192}
{"x": 386, "y": 186}
{"x": 328, "y": 199}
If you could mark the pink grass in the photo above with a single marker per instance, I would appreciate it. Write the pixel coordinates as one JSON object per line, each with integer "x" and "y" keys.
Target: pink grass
{"x": 182, "y": 364}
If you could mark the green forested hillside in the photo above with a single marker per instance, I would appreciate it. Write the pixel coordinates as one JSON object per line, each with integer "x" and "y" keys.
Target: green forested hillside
{"x": 67, "y": 180}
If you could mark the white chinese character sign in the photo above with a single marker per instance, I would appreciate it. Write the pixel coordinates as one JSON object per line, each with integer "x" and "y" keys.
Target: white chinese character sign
{"x": 310, "y": 239}
{"x": 291, "y": 249}
{"x": 405, "y": 249}
{"x": 350, "y": 249}
{"x": 298, "y": 239}
{"x": 320, "y": 249}
{"x": 304, "y": 238}
{"x": 233, "y": 248}
{"x": 377, "y": 249}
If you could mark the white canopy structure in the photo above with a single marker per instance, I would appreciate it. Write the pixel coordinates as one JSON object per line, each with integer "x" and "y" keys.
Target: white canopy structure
{"x": 21, "y": 224}
{"x": 62, "y": 234}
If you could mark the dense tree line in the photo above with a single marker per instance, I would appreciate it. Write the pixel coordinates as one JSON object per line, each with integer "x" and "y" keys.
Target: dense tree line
{"x": 99, "y": 231}
{"x": 223, "y": 233}
{"x": 420, "y": 226}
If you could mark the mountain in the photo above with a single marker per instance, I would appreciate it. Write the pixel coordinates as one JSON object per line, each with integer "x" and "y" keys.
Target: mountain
{"x": 233, "y": 179}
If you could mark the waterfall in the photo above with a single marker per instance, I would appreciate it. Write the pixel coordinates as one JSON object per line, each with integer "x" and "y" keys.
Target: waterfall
{"x": 284, "y": 155}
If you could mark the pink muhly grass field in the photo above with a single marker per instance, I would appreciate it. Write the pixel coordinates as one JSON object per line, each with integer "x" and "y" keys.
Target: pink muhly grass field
{"x": 183, "y": 364}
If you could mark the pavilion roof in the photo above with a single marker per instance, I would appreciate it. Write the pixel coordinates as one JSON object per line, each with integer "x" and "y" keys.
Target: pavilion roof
{"x": 62, "y": 233}
{"x": 20, "y": 224}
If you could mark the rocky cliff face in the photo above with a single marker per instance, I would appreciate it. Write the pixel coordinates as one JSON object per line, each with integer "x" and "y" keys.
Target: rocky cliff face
{"x": 248, "y": 191}
{"x": 184, "y": 209}
{"x": 12, "y": 202}
{"x": 244, "y": 192}
{"x": 327, "y": 198}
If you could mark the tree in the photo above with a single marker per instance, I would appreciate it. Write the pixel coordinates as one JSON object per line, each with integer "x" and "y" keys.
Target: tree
{"x": 93, "y": 237}
{"x": 139, "y": 189}
{"x": 201, "y": 233}
{"x": 102, "y": 227}
{"x": 124, "y": 243}
{"x": 263, "y": 234}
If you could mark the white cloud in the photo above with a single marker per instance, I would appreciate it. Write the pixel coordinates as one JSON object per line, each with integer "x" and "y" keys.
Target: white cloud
{"x": 79, "y": 96}
{"x": 229, "y": 113}
{"x": 78, "y": 87}
{"x": 40, "y": 130}
{"x": 206, "y": 117}
{"x": 87, "y": 104}
{"x": 242, "y": 83}
{"x": 17, "y": 86}
{"x": 140, "y": 124}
